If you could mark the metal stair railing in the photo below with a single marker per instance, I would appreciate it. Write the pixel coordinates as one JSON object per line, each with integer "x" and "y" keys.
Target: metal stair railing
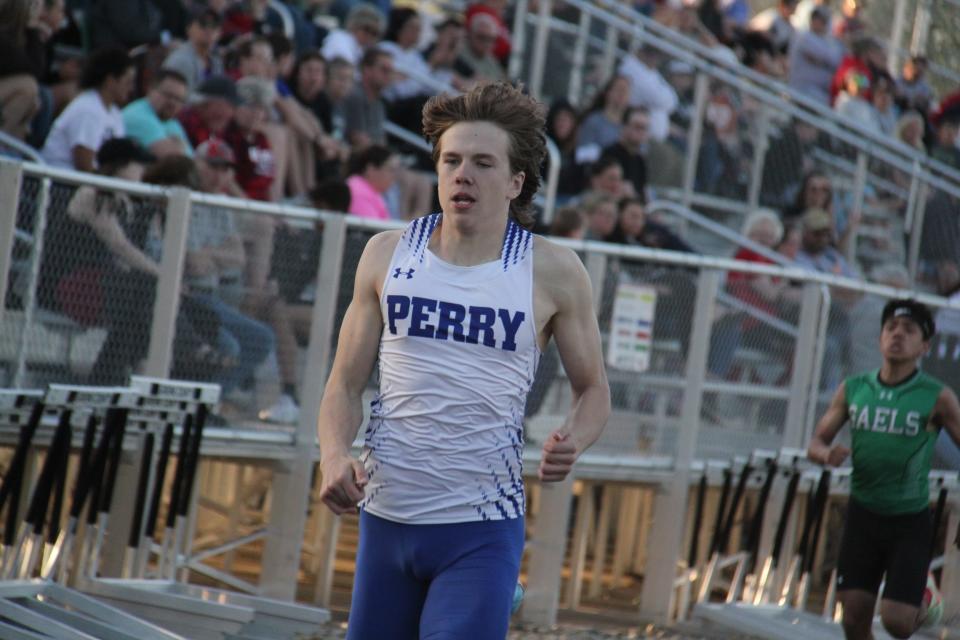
{"x": 621, "y": 20}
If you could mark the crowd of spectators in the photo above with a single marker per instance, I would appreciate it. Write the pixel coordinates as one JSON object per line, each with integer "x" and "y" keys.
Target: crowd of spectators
{"x": 289, "y": 102}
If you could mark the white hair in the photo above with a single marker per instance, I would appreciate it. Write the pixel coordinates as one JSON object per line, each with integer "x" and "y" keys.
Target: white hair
{"x": 254, "y": 91}
{"x": 763, "y": 215}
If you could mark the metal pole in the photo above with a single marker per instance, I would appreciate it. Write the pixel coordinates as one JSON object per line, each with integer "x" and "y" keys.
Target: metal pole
{"x": 760, "y": 146}
{"x": 11, "y": 178}
{"x": 916, "y": 232}
{"x": 656, "y": 601}
{"x": 921, "y": 27}
{"x": 801, "y": 378}
{"x": 821, "y": 348}
{"x": 700, "y": 95}
{"x": 896, "y": 35}
{"x": 519, "y": 44}
{"x": 540, "y": 48}
{"x": 550, "y": 188}
{"x": 575, "y": 88}
{"x": 609, "y": 50}
{"x": 291, "y": 479}
{"x": 912, "y": 198}
{"x": 36, "y": 254}
{"x": 167, "y": 300}
{"x": 859, "y": 186}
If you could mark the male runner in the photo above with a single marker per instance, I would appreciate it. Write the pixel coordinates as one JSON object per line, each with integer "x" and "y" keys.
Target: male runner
{"x": 895, "y": 415}
{"x": 458, "y": 307}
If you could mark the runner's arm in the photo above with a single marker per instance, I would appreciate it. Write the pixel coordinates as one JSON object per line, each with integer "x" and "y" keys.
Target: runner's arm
{"x": 578, "y": 340}
{"x": 830, "y": 424}
{"x": 948, "y": 412}
{"x": 341, "y": 409}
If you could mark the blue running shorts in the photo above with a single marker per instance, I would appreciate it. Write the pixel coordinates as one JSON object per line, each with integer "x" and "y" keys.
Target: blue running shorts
{"x": 435, "y": 581}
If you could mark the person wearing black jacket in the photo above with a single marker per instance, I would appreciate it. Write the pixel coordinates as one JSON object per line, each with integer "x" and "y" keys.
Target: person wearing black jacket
{"x": 630, "y": 149}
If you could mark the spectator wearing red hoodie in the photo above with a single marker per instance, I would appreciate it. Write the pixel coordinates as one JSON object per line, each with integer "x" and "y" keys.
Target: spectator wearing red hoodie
{"x": 867, "y": 55}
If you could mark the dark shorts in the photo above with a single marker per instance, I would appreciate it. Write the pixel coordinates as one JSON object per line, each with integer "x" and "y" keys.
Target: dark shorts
{"x": 875, "y": 544}
{"x": 434, "y": 581}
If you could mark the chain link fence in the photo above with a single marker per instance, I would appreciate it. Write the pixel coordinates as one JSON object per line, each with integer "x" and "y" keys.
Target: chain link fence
{"x": 250, "y": 283}
{"x": 82, "y": 288}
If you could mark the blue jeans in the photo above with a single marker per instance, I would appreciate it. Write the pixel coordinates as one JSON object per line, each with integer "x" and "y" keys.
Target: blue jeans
{"x": 435, "y": 581}
{"x": 244, "y": 339}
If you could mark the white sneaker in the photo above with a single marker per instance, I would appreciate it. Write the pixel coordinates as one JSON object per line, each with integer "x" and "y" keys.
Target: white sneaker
{"x": 284, "y": 411}
{"x": 934, "y": 611}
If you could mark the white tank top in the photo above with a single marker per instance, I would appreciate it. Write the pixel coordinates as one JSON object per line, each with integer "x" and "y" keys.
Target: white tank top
{"x": 458, "y": 354}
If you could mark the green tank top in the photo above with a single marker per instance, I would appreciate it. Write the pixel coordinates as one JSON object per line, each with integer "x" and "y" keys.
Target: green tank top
{"x": 893, "y": 441}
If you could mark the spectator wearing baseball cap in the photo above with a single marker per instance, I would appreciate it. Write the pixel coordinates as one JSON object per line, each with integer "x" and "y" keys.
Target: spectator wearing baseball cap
{"x": 212, "y": 109}
{"x": 197, "y": 59}
{"x": 817, "y": 251}
{"x": 255, "y": 160}
{"x": 215, "y": 162}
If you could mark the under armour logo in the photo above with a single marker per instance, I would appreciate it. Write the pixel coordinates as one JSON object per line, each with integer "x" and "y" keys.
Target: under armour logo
{"x": 398, "y": 272}
{"x": 886, "y": 395}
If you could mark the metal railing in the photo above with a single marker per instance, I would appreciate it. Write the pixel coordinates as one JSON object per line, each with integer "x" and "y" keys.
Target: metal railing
{"x": 869, "y": 149}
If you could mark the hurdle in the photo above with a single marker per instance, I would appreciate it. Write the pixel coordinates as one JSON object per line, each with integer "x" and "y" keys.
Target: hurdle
{"x": 760, "y": 611}
{"x": 176, "y": 412}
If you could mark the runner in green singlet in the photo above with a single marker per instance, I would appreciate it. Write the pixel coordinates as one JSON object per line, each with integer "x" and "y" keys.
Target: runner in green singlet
{"x": 895, "y": 414}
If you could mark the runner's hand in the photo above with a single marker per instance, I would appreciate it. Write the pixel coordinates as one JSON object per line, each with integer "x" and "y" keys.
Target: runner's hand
{"x": 837, "y": 454}
{"x": 342, "y": 481}
{"x": 559, "y": 454}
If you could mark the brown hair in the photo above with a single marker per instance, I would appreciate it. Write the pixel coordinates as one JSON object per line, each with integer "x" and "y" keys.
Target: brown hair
{"x": 507, "y": 107}
{"x": 567, "y": 221}
{"x": 173, "y": 171}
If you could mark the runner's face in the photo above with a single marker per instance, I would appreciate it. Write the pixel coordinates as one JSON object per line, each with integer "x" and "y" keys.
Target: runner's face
{"x": 474, "y": 178}
{"x": 901, "y": 340}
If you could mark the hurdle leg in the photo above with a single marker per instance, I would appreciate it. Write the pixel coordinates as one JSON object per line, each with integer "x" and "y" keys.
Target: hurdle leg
{"x": 643, "y": 533}
{"x": 233, "y": 494}
{"x": 628, "y": 511}
{"x": 116, "y": 531}
{"x": 950, "y": 577}
{"x": 547, "y": 547}
{"x": 578, "y": 558}
{"x": 600, "y": 542}
{"x": 325, "y": 552}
